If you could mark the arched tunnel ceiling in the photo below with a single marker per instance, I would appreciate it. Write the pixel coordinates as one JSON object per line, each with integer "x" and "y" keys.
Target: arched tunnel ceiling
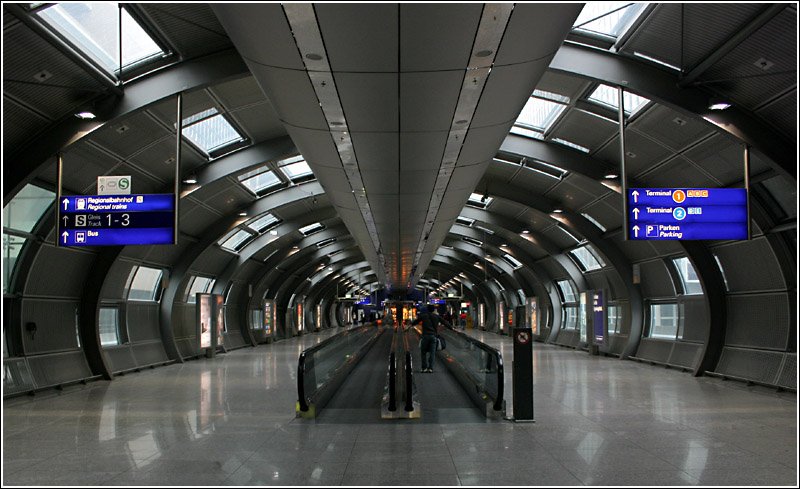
{"x": 698, "y": 152}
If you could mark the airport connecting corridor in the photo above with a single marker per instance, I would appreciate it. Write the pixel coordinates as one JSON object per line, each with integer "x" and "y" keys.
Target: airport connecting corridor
{"x": 231, "y": 421}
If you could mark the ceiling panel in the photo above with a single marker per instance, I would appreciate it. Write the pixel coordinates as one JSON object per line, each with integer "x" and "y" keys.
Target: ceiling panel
{"x": 672, "y": 129}
{"x": 677, "y": 172}
{"x": 481, "y": 144}
{"x": 369, "y": 100}
{"x": 721, "y": 157}
{"x": 359, "y": 37}
{"x": 266, "y": 22}
{"x": 585, "y": 129}
{"x": 292, "y": 96}
{"x": 128, "y": 136}
{"x": 569, "y": 86}
{"x": 428, "y": 100}
{"x": 437, "y": 36}
{"x": 536, "y": 31}
{"x": 238, "y": 93}
{"x": 506, "y": 91}
{"x": 376, "y": 151}
{"x": 260, "y": 122}
{"x": 316, "y": 146}
{"x": 642, "y": 152}
{"x": 421, "y": 151}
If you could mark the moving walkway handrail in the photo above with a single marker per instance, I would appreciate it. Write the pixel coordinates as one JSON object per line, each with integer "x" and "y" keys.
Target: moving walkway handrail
{"x": 494, "y": 353}
{"x": 307, "y": 353}
{"x": 409, "y": 380}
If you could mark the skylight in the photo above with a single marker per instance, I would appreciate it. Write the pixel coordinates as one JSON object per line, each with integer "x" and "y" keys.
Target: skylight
{"x": 235, "y": 241}
{"x": 485, "y": 230}
{"x": 570, "y": 144}
{"x": 608, "y": 96}
{"x": 211, "y": 133}
{"x": 93, "y": 28}
{"x": 656, "y": 60}
{"x": 587, "y": 258}
{"x": 608, "y": 18}
{"x": 512, "y": 261}
{"x": 466, "y": 221}
{"x": 551, "y": 171}
{"x": 311, "y": 228}
{"x": 295, "y": 167}
{"x": 472, "y": 241}
{"x": 539, "y": 114}
{"x": 528, "y": 133}
{"x": 479, "y": 200}
{"x": 594, "y": 221}
{"x": 263, "y": 223}
{"x": 259, "y": 180}
{"x": 326, "y": 242}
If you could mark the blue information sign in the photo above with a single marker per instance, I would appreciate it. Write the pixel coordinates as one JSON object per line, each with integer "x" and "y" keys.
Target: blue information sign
{"x": 599, "y": 317}
{"x": 111, "y": 220}
{"x": 687, "y": 213}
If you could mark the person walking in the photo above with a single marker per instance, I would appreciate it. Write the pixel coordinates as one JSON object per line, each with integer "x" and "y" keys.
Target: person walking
{"x": 430, "y": 330}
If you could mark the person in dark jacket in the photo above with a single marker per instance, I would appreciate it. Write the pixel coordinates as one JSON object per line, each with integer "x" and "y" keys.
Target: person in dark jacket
{"x": 430, "y": 330}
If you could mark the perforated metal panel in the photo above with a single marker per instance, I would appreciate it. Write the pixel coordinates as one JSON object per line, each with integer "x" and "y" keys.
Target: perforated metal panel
{"x": 677, "y": 172}
{"x": 568, "y": 338}
{"x": 187, "y": 347}
{"x": 655, "y": 350}
{"x": 746, "y": 273}
{"x": 758, "y": 321}
{"x": 720, "y": 156}
{"x": 636, "y": 251}
{"x": 694, "y": 318}
{"x": 19, "y": 124}
{"x": 260, "y": 122}
{"x": 59, "y": 368}
{"x": 72, "y": 267}
{"x": 55, "y": 325}
{"x": 685, "y": 354}
{"x": 120, "y": 358}
{"x": 212, "y": 261}
{"x": 16, "y": 376}
{"x": 782, "y": 114}
{"x": 788, "y": 375}
{"x": 642, "y": 152}
{"x": 554, "y": 270}
{"x": 149, "y": 353}
{"x": 660, "y": 123}
{"x": 656, "y": 280}
{"x": 584, "y": 129}
{"x": 234, "y": 339}
{"x": 617, "y": 344}
{"x": 755, "y": 365}
{"x": 238, "y": 93}
{"x": 143, "y": 321}
{"x": 114, "y": 282}
{"x": 193, "y": 28}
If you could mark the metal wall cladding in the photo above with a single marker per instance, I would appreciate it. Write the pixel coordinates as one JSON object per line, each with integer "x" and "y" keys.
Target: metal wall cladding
{"x": 685, "y": 354}
{"x": 58, "y": 272}
{"x": 55, "y": 325}
{"x": 656, "y": 280}
{"x": 25, "y": 123}
{"x": 119, "y": 358}
{"x": 694, "y": 321}
{"x": 782, "y": 114}
{"x": 568, "y": 337}
{"x": 655, "y": 350}
{"x": 149, "y": 353}
{"x": 143, "y": 321}
{"x": 115, "y": 280}
{"x": 212, "y": 261}
{"x": 17, "y": 377}
{"x": 788, "y": 375}
{"x": 617, "y": 344}
{"x": 758, "y": 321}
{"x": 188, "y": 323}
{"x": 194, "y": 29}
{"x": 234, "y": 339}
{"x": 755, "y": 365}
{"x": 187, "y": 347}
{"x": 59, "y": 368}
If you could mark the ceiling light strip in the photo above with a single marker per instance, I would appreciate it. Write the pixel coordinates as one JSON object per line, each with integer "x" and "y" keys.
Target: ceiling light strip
{"x": 487, "y": 40}
{"x": 305, "y": 29}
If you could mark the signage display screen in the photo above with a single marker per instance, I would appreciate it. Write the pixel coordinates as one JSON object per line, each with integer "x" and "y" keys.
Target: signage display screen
{"x": 269, "y": 316}
{"x": 112, "y": 220}
{"x": 687, "y": 214}
{"x": 219, "y": 314}
{"x": 599, "y": 317}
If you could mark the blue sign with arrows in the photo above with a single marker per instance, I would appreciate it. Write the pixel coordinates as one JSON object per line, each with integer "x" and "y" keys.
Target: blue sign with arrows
{"x": 115, "y": 220}
{"x": 687, "y": 214}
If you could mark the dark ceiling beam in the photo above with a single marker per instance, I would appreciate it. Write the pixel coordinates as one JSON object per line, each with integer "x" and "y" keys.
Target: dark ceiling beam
{"x": 656, "y": 84}
{"x": 23, "y": 165}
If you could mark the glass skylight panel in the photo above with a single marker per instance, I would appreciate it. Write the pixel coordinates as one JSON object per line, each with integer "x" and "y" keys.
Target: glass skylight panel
{"x": 311, "y": 228}
{"x": 512, "y": 261}
{"x": 236, "y": 240}
{"x": 689, "y": 278}
{"x": 479, "y": 200}
{"x": 567, "y": 292}
{"x": 593, "y": 221}
{"x": 656, "y": 60}
{"x": 608, "y": 18}
{"x": 27, "y": 207}
{"x": 93, "y": 28}
{"x": 485, "y": 230}
{"x": 473, "y": 241}
{"x": 297, "y": 170}
{"x": 539, "y": 114}
{"x": 546, "y": 168}
{"x": 259, "y": 180}
{"x": 199, "y": 285}
{"x": 262, "y": 223}
{"x": 212, "y": 133}
{"x": 528, "y": 133}
{"x": 326, "y": 242}
{"x": 555, "y": 97}
{"x": 564, "y": 230}
{"x": 144, "y": 285}
{"x": 466, "y": 221}
{"x": 586, "y": 259}
{"x": 609, "y": 96}
{"x": 570, "y": 144}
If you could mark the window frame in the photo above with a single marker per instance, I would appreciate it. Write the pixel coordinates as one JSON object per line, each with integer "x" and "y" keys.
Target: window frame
{"x": 218, "y": 151}
{"x": 651, "y": 305}
{"x": 157, "y": 290}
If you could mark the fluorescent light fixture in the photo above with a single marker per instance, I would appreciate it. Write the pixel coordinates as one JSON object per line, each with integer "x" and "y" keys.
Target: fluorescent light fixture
{"x": 311, "y": 228}
{"x": 716, "y": 103}
{"x": 190, "y": 181}
{"x": 611, "y": 176}
{"x": 85, "y": 115}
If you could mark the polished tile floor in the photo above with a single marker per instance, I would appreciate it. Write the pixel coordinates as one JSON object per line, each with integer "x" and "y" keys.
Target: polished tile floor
{"x": 230, "y": 421}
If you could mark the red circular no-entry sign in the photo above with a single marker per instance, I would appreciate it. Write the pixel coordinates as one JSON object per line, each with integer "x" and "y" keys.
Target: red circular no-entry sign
{"x": 523, "y": 337}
